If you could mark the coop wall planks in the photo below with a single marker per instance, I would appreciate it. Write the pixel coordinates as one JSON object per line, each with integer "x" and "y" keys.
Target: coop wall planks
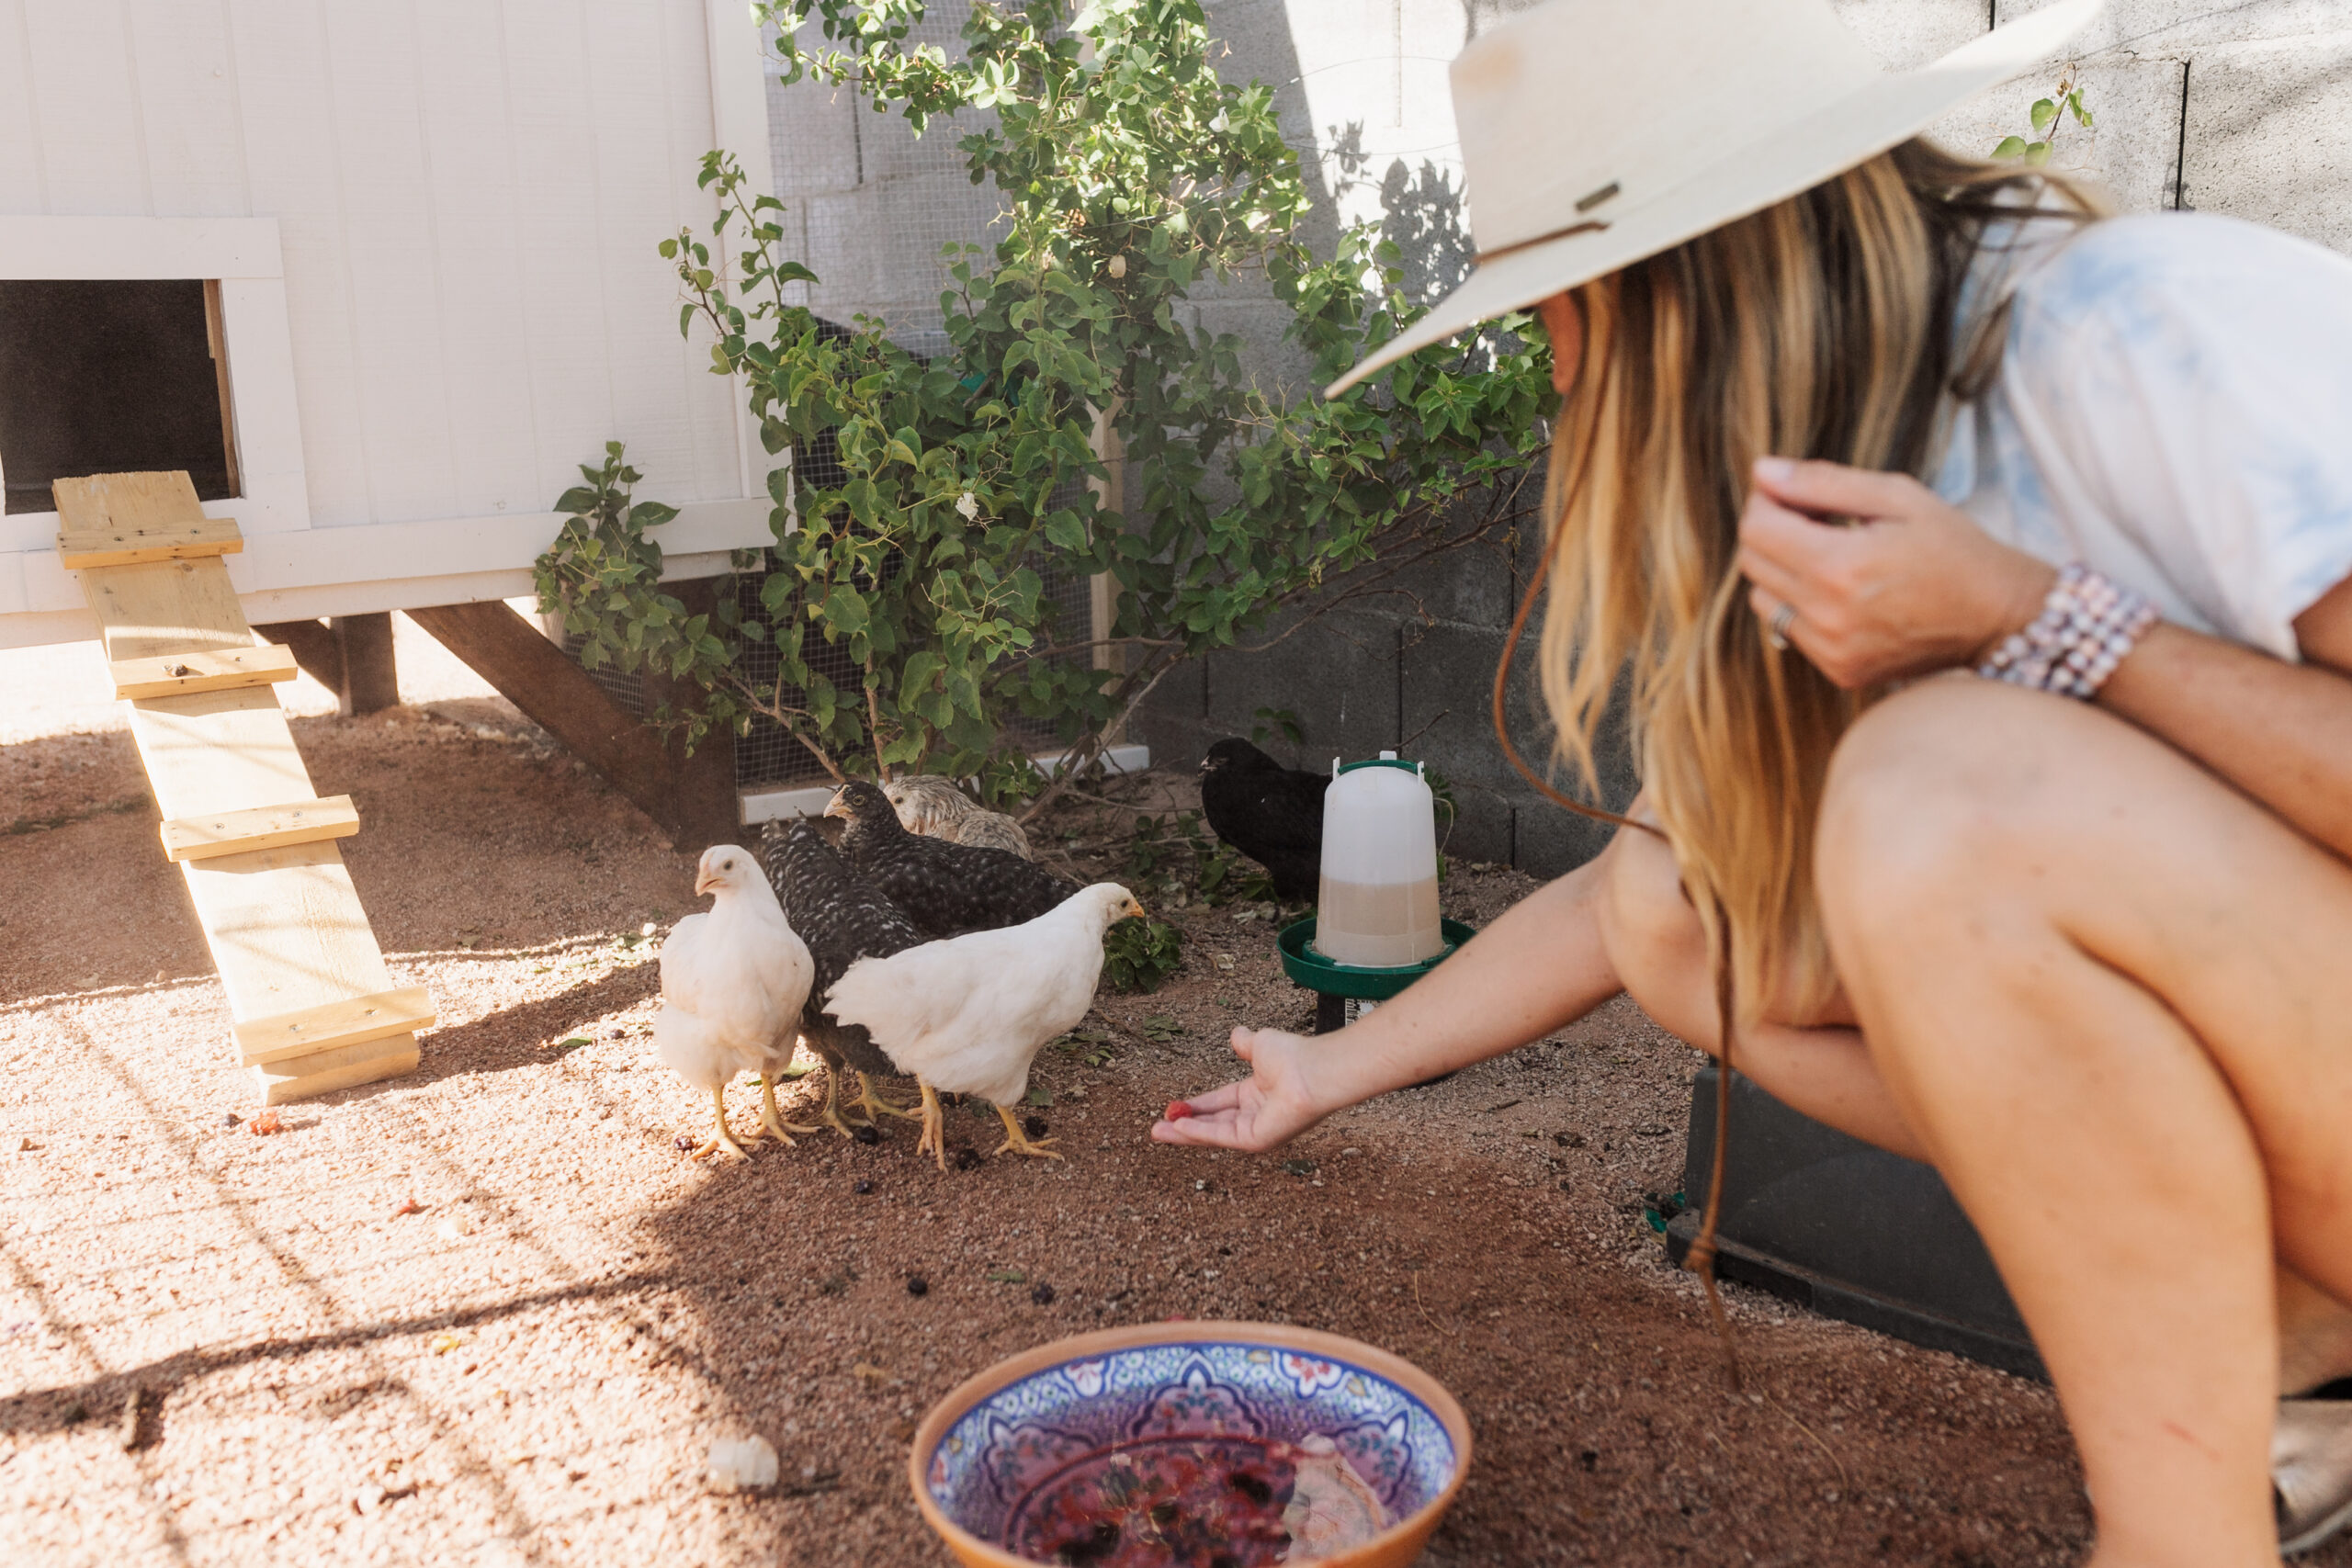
{"x": 259, "y": 827}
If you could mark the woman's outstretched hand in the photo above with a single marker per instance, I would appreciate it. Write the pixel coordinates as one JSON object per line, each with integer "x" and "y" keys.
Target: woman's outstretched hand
{"x": 1269, "y": 1107}
{"x": 1916, "y": 587}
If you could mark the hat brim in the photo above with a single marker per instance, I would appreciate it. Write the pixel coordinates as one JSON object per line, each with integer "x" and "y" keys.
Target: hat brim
{"x": 1795, "y": 159}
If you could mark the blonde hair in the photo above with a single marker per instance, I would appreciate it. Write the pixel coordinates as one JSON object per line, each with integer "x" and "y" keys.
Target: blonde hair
{"x": 1821, "y": 327}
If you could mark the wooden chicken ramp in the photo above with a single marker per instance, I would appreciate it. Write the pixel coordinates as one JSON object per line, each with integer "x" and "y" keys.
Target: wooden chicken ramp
{"x": 313, "y": 1007}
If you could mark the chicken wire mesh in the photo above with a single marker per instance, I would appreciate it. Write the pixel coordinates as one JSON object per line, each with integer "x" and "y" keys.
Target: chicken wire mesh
{"x": 868, "y": 207}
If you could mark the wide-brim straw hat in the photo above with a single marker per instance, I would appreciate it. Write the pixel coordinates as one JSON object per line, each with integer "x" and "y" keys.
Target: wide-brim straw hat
{"x": 1598, "y": 132}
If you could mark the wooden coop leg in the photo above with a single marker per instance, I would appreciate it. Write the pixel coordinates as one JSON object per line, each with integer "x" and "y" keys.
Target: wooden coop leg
{"x": 370, "y": 682}
{"x": 683, "y": 795}
{"x": 312, "y": 1006}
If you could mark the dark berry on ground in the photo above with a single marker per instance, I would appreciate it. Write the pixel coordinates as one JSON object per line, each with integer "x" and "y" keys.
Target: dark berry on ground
{"x": 1034, "y": 1126}
{"x": 863, "y": 1188}
{"x": 681, "y": 1142}
{"x": 230, "y": 1120}
{"x": 1043, "y": 1294}
{"x": 867, "y": 1135}
{"x": 967, "y": 1159}
{"x": 918, "y": 1286}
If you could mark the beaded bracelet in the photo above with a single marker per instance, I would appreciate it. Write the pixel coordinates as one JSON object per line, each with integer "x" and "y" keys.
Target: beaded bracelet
{"x": 2086, "y": 626}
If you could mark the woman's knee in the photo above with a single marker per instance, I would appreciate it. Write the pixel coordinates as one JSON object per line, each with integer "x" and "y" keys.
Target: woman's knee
{"x": 1949, "y": 785}
{"x": 1653, "y": 937}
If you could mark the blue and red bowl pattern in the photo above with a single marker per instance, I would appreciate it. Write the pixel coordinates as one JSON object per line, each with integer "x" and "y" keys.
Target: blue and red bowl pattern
{"x": 1028, "y": 1432}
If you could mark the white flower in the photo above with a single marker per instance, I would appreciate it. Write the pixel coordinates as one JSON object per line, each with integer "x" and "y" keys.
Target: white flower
{"x": 970, "y": 505}
{"x": 1220, "y": 122}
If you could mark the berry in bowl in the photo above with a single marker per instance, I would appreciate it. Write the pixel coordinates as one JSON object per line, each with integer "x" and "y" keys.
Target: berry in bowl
{"x": 1191, "y": 1445}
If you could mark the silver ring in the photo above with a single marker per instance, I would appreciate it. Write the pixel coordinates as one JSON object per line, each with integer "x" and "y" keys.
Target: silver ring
{"x": 1776, "y": 631}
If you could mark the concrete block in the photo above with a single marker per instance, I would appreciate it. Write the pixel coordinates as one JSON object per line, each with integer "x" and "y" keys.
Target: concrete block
{"x": 2176, "y": 29}
{"x": 812, "y": 139}
{"x": 1337, "y": 675}
{"x": 2266, "y": 135}
{"x": 1481, "y": 828}
{"x": 1448, "y": 681}
{"x": 1906, "y": 34}
{"x": 1548, "y": 840}
{"x": 1469, "y": 583}
{"x": 2132, "y": 151}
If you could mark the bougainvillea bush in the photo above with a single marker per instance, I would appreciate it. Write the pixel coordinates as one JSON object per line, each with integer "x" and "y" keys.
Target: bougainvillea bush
{"x": 905, "y": 595}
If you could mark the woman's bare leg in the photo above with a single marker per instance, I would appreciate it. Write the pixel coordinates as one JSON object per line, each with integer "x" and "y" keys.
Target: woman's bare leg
{"x": 1656, "y": 944}
{"x": 2085, "y": 967}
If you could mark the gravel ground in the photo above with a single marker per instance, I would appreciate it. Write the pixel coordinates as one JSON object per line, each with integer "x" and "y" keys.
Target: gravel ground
{"x": 489, "y": 1313}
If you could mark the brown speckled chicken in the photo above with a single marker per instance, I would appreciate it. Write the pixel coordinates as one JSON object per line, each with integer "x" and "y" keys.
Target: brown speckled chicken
{"x": 946, "y": 889}
{"x": 933, "y": 807}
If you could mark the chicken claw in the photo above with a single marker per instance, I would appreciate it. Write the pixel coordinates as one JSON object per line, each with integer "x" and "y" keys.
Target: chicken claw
{"x": 874, "y": 1105}
{"x": 722, "y": 1138}
{"x": 831, "y": 1115}
{"x": 934, "y": 1126}
{"x": 1020, "y": 1142}
{"x": 771, "y": 1122}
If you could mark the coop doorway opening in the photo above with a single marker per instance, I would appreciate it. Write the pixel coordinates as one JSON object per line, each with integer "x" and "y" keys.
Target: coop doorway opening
{"x": 113, "y": 376}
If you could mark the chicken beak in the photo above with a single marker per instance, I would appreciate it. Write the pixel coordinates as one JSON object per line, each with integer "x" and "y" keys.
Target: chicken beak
{"x": 837, "y": 806}
{"x": 704, "y": 883}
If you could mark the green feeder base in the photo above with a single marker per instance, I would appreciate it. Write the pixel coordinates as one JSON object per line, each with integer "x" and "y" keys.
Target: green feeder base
{"x": 1334, "y": 982}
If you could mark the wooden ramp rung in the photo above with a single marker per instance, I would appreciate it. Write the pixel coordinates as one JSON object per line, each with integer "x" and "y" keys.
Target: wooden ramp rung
{"x": 316, "y": 1009}
{"x": 259, "y": 827}
{"x": 202, "y": 670}
{"x": 127, "y": 519}
{"x": 323, "y": 1028}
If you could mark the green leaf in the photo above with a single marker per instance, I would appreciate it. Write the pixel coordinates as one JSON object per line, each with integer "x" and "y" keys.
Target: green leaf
{"x": 2010, "y": 147}
{"x": 2043, "y": 113}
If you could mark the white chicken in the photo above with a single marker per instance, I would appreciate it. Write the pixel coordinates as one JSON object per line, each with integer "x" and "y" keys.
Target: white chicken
{"x": 732, "y": 985}
{"x": 968, "y": 1014}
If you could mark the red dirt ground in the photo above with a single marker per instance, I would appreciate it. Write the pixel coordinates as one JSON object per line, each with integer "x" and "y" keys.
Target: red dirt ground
{"x": 532, "y": 1367}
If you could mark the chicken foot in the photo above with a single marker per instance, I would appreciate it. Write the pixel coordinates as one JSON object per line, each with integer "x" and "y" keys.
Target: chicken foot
{"x": 771, "y": 1122}
{"x": 874, "y": 1105}
{"x": 831, "y": 1116}
{"x": 1020, "y": 1142}
{"x": 935, "y": 1125}
{"x": 722, "y": 1138}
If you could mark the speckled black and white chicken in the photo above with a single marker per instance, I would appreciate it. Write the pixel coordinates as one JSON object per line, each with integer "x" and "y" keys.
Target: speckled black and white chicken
{"x": 946, "y": 889}
{"x": 733, "y": 984}
{"x": 970, "y": 1014}
{"x": 843, "y": 918}
{"x": 935, "y": 808}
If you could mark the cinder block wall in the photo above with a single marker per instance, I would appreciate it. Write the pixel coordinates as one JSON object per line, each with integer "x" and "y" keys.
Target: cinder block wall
{"x": 2239, "y": 108}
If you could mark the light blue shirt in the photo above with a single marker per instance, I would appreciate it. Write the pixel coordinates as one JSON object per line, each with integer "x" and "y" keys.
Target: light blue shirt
{"x": 2174, "y": 409}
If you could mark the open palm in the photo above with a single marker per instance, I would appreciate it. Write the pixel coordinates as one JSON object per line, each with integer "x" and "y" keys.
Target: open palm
{"x": 1269, "y": 1107}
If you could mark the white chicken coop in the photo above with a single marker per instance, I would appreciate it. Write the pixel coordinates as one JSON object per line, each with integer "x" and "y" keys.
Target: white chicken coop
{"x": 378, "y": 277}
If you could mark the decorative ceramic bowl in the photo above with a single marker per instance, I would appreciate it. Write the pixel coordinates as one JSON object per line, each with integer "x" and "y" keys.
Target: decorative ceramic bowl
{"x": 994, "y": 1460}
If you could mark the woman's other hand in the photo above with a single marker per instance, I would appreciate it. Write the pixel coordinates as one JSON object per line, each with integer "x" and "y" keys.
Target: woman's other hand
{"x": 1916, "y": 587}
{"x": 1269, "y": 1107}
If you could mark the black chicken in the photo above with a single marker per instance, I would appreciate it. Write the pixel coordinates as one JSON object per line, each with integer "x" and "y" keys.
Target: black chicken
{"x": 1273, "y": 813}
{"x": 946, "y": 889}
{"x": 843, "y": 918}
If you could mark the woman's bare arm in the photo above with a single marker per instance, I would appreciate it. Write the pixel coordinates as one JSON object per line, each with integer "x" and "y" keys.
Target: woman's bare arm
{"x": 2280, "y": 732}
{"x": 1542, "y": 964}
{"x": 1919, "y": 587}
